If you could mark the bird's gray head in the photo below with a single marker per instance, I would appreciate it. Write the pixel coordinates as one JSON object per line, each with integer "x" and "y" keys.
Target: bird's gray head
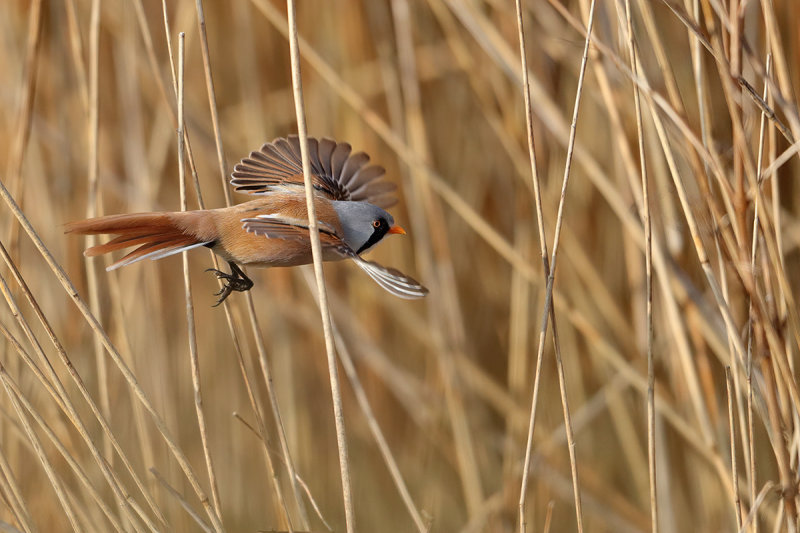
{"x": 363, "y": 224}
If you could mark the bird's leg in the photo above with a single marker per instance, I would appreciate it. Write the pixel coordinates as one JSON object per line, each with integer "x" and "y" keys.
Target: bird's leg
{"x": 235, "y": 281}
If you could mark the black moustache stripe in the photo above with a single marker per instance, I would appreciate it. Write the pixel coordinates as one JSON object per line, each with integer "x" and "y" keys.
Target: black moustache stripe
{"x": 376, "y": 236}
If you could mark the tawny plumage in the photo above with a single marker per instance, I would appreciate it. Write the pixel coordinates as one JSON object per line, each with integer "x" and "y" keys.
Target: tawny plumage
{"x": 273, "y": 229}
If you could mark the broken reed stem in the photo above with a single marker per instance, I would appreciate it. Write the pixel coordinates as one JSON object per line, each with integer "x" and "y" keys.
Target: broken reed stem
{"x": 549, "y": 272}
{"x": 648, "y": 254}
{"x": 187, "y": 284}
{"x": 548, "y": 518}
{"x": 316, "y": 251}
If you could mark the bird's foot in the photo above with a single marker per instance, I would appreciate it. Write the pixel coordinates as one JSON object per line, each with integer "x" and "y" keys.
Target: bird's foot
{"x": 235, "y": 281}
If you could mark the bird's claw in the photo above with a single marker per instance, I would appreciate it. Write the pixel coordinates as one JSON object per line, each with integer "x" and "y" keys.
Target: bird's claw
{"x": 236, "y": 281}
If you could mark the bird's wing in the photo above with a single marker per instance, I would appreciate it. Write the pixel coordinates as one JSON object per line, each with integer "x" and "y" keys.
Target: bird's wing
{"x": 291, "y": 229}
{"x": 336, "y": 172}
{"x": 275, "y": 227}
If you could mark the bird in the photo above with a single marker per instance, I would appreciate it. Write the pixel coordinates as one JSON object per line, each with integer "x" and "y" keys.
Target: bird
{"x": 351, "y": 198}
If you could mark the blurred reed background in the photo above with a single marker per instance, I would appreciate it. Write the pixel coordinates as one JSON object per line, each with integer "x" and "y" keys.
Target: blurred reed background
{"x": 432, "y": 90}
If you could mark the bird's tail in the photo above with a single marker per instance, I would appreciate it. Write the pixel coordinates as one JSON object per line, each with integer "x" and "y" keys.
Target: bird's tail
{"x": 155, "y": 235}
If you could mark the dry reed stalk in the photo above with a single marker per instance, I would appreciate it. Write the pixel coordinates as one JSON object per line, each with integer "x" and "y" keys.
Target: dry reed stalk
{"x": 481, "y": 87}
{"x": 546, "y": 270}
{"x": 298, "y": 479}
{"x": 11, "y": 490}
{"x": 548, "y": 519}
{"x": 76, "y": 47}
{"x": 55, "y": 482}
{"x": 92, "y": 136}
{"x": 518, "y": 360}
{"x": 737, "y": 508}
{"x": 340, "y": 86}
{"x": 659, "y": 262}
{"x": 177, "y": 495}
{"x": 24, "y": 113}
{"x": 194, "y": 362}
{"x": 434, "y": 247}
{"x": 752, "y": 516}
{"x": 228, "y": 315}
{"x": 648, "y": 237}
{"x": 212, "y": 100}
{"x": 547, "y": 110}
{"x": 251, "y": 310}
{"x": 134, "y": 156}
{"x": 61, "y": 398}
{"x": 316, "y": 252}
{"x": 380, "y": 440}
{"x": 97, "y": 328}
{"x": 670, "y": 414}
{"x": 276, "y": 414}
{"x": 74, "y": 466}
{"x": 22, "y": 129}
{"x": 59, "y": 394}
{"x": 549, "y": 273}
{"x": 750, "y": 455}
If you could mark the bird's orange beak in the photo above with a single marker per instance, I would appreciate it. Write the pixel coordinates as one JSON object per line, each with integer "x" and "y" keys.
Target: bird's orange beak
{"x": 397, "y": 229}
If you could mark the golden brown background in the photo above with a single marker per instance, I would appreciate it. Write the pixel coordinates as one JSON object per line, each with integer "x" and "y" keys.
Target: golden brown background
{"x": 431, "y": 90}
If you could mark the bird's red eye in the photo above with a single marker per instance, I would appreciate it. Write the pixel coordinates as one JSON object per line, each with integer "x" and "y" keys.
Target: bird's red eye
{"x": 376, "y": 223}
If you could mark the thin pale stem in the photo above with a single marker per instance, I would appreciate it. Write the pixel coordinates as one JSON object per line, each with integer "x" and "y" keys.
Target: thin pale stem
{"x": 732, "y": 437}
{"x": 97, "y": 328}
{"x": 316, "y": 251}
{"x": 187, "y": 284}
{"x": 548, "y": 309}
{"x": 186, "y": 507}
{"x": 374, "y": 427}
{"x": 648, "y": 252}
{"x": 70, "y": 459}
{"x": 226, "y": 304}
{"x": 276, "y": 414}
{"x": 751, "y": 463}
{"x": 92, "y": 211}
{"x": 55, "y": 482}
{"x": 298, "y": 479}
{"x": 434, "y": 253}
{"x": 201, "y": 22}
{"x": 24, "y": 119}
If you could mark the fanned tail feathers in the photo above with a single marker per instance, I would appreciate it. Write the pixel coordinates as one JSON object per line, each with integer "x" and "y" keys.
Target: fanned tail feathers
{"x": 155, "y": 234}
